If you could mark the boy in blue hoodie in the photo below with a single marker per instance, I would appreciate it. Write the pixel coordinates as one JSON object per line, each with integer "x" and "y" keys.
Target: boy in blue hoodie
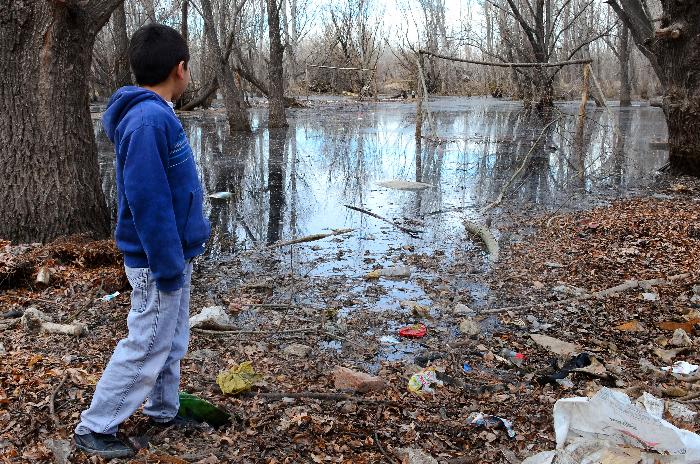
{"x": 160, "y": 229}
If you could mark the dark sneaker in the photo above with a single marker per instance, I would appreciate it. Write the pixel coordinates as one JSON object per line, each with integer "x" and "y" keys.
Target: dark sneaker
{"x": 177, "y": 421}
{"x": 106, "y": 446}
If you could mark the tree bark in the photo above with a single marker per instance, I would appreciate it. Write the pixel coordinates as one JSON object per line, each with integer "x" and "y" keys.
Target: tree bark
{"x": 50, "y": 175}
{"x": 674, "y": 52}
{"x": 277, "y": 117}
{"x": 236, "y": 110}
{"x": 122, "y": 71}
{"x": 624, "y": 51}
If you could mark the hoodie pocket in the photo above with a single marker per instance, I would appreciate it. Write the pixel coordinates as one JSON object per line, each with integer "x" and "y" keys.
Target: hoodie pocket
{"x": 197, "y": 227}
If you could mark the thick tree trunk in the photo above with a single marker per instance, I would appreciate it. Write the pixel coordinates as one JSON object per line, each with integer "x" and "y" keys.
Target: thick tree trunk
{"x": 50, "y": 175}
{"x": 277, "y": 117}
{"x": 624, "y": 51}
{"x": 122, "y": 71}
{"x": 236, "y": 110}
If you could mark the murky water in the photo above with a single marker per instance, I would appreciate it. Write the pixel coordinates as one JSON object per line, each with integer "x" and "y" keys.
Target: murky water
{"x": 295, "y": 182}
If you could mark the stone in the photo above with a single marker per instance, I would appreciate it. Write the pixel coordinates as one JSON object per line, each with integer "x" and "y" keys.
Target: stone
{"x": 680, "y": 338}
{"x": 61, "y": 450}
{"x": 2, "y": 350}
{"x": 463, "y": 310}
{"x": 348, "y": 379}
{"x": 415, "y": 456}
{"x": 469, "y": 326}
{"x": 297, "y": 349}
{"x": 211, "y": 317}
{"x": 555, "y": 345}
{"x": 680, "y": 411}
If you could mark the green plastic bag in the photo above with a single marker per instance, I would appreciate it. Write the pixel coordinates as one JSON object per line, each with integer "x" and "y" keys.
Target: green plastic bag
{"x": 195, "y": 408}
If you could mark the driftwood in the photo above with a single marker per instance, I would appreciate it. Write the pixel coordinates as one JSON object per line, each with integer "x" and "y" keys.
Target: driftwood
{"x": 256, "y": 332}
{"x": 310, "y": 238}
{"x": 34, "y": 320}
{"x": 388, "y": 221}
{"x": 627, "y": 285}
{"x": 487, "y": 237}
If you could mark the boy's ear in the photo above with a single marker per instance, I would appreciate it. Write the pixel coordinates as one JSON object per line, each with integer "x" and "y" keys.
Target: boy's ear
{"x": 181, "y": 70}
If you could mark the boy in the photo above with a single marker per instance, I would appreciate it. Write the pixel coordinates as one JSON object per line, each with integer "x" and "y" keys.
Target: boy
{"x": 160, "y": 229}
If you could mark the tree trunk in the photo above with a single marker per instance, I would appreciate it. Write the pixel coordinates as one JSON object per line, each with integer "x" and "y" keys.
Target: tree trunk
{"x": 51, "y": 180}
{"x": 122, "y": 71}
{"x": 277, "y": 117}
{"x": 236, "y": 110}
{"x": 674, "y": 52}
{"x": 624, "y": 51}
{"x": 184, "y": 16}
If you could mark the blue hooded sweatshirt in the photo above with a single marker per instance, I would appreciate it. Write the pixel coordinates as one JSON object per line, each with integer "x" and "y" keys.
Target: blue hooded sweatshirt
{"x": 160, "y": 221}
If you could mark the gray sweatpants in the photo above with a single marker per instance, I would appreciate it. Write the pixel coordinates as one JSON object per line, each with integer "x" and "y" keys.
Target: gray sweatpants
{"x": 146, "y": 364}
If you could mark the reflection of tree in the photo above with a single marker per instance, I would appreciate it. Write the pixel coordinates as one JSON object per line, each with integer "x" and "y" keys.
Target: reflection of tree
{"x": 275, "y": 182}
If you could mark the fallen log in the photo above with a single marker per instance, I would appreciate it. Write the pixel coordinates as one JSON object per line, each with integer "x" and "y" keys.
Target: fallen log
{"x": 627, "y": 285}
{"x": 310, "y": 238}
{"x": 34, "y": 320}
{"x": 487, "y": 237}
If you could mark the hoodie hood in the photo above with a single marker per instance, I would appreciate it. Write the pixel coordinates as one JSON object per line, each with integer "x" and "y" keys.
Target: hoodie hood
{"x": 121, "y": 102}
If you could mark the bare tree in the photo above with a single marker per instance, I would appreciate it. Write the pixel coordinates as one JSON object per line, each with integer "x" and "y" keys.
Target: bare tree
{"x": 277, "y": 117}
{"x": 51, "y": 183}
{"x": 673, "y": 49}
{"x": 236, "y": 109}
{"x": 122, "y": 71}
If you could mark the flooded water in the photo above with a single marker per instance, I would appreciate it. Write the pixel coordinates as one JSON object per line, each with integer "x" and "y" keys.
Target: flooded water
{"x": 296, "y": 182}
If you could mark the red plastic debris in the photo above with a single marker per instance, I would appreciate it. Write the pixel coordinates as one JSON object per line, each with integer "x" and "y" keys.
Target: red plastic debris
{"x": 414, "y": 331}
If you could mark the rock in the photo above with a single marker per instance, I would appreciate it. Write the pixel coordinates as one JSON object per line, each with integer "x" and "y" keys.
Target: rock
{"x": 348, "y": 379}
{"x": 469, "y": 326}
{"x": 415, "y": 456}
{"x": 555, "y": 345}
{"x": 650, "y": 296}
{"x": 211, "y": 317}
{"x": 297, "y": 349}
{"x": 667, "y": 355}
{"x": 2, "y": 350}
{"x": 60, "y": 449}
{"x": 680, "y": 338}
{"x": 696, "y": 289}
{"x": 553, "y": 264}
{"x": 463, "y": 310}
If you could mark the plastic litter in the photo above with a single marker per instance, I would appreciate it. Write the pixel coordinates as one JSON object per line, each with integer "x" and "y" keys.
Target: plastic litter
{"x": 421, "y": 382}
{"x": 478, "y": 419}
{"x": 110, "y": 297}
{"x": 467, "y": 368}
{"x": 238, "y": 379}
{"x": 195, "y": 408}
{"x": 577, "y": 362}
{"x": 395, "y": 272}
{"x": 513, "y": 356}
{"x": 609, "y": 425}
{"x": 414, "y": 331}
{"x": 681, "y": 367}
{"x": 221, "y": 195}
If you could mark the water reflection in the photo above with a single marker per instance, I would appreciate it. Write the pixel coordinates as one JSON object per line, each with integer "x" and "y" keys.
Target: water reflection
{"x": 293, "y": 182}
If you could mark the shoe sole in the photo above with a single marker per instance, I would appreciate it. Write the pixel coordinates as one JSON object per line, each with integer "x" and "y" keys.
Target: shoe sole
{"x": 106, "y": 454}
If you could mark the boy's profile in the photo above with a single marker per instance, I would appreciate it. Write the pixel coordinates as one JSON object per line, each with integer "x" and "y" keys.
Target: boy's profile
{"x": 160, "y": 229}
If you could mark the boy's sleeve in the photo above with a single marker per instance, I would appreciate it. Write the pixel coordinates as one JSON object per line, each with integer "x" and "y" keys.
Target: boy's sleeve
{"x": 150, "y": 201}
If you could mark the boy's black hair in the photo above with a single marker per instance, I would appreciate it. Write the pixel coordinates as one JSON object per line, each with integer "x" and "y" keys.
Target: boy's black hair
{"x": 154, "y": 50}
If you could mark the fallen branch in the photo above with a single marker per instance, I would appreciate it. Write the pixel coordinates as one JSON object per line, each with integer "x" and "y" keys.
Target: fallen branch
{"x": 52, "y": 400}
{"x": 310, "y": 238}
{"x": 627, "y": 285}
{"x": 381, "y": 218}
{"x": 507, "y": 65}
{"x": 255, "y": 332}
{"x": 35, "y": 321}
{"x": 487, "y": 237}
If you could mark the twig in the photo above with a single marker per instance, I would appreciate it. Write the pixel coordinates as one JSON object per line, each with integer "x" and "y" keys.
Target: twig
{"x": 52, "y": 400}
{"x": 254, "y": 332}
{"x": 310, "y": 238}
{"x": 381, "y": 218}
{"x": 628, "y": 285}
{"x": 322, "y": 396}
